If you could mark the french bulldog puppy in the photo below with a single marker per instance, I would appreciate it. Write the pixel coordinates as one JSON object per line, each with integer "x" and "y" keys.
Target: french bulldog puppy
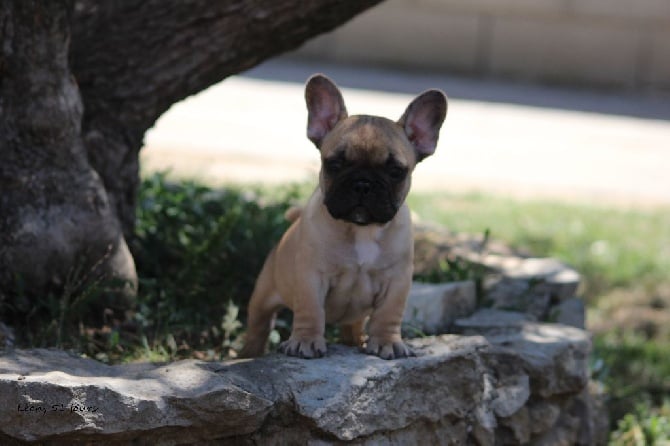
{"x": 347, "y": 257}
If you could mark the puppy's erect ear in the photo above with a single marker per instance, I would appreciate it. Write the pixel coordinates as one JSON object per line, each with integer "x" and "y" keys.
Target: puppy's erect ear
{"x": 325, "y": 107}
{"x": 422, "y": 121}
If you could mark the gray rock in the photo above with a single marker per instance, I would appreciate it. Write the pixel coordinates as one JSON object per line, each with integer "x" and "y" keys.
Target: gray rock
{"x": 543, "y": 415}
{"x": 529, "y": 284}
{"x": 458, "y": 388}
{"x": 433, "y": 308}
{"x": 564, "y": 280}
{"x": 511, "y": 396}
{"x": 489, "y": 321}
{"x": 569, "y": 312}
{"x": 519, "y": 426}
{"x": 527, "y": 296}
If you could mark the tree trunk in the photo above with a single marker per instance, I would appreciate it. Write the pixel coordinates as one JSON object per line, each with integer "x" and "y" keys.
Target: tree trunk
{"x": 57, "y": 227}
{"x": 80, "y": 83}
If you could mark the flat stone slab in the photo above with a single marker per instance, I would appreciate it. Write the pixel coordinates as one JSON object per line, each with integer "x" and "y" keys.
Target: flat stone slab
{"x": 458, "y": 389}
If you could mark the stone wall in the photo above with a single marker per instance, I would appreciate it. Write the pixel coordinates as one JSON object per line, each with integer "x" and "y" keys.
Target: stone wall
{"x": 525, "y": 385}
{"x": 513, "y": 370}
{"x": 612, "y": 43}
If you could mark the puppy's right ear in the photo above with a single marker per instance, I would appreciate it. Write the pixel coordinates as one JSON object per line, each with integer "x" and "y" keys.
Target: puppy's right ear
{"x": 325, "y": 107}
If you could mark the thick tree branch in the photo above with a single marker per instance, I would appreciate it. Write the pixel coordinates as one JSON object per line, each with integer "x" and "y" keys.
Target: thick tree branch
{"x": 135, "y": 58}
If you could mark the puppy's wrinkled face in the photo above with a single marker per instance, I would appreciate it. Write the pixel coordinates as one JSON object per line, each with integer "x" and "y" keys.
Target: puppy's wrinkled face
{"x": 367, "y": 160}
{"x": 366, "y": 166}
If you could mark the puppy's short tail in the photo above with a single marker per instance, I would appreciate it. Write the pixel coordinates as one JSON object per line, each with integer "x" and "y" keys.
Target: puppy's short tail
{"x": 293, "y": 213}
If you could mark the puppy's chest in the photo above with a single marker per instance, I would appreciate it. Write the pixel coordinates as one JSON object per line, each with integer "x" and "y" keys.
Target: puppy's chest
{"x": 363, "y": 252}
{"x": 360, "y": 277}
{"x": 366, "y": 253}
{"x": 358, "y": 269}
{"x": 352, "y": 294}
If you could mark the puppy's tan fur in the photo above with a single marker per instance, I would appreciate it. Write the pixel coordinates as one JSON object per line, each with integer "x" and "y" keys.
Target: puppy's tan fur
{"x": 334, "y": 270}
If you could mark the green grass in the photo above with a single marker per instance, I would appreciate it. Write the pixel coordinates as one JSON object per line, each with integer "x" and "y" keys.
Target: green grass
{"x": 643, "y": 426}
{"x": 635, "y": 369}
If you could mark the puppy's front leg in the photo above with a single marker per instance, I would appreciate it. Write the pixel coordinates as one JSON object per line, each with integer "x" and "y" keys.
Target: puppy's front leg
{"x": 309, "y": 322}
{"x": 384, "y": 338}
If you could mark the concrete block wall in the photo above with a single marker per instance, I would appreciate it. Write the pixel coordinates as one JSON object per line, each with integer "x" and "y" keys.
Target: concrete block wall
{"x": 610, "y": 43}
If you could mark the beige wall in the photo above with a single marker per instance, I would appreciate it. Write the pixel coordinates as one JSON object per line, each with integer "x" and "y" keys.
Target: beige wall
{"x": 621, "y": 43}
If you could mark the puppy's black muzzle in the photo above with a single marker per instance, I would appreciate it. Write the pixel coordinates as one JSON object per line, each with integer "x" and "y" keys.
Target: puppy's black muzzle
{"x": 362, "y": 199}
{"x": 362, "y": 187}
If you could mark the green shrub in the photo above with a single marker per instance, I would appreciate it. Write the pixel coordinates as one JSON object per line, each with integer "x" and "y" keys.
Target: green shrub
{"x": 198, "y": 252}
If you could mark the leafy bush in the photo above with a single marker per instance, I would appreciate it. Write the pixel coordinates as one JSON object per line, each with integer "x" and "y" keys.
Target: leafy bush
{"x": 198, "y": 252}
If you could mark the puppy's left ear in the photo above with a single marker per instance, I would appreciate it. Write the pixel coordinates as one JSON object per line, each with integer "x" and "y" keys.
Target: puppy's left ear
{"x": 422, "y": 121}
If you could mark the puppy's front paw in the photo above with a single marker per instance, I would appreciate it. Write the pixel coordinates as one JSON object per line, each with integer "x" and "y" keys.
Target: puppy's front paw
{"x": 388, "y": 350}
{"x": 307, "y": 348}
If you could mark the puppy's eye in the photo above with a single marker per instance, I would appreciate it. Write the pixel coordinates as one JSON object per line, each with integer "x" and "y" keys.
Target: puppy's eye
{"x": 398, "y": 173}
{"x": 333, "y": 165}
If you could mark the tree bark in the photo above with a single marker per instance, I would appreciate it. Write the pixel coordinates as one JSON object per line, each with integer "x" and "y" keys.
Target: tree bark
{"x": 80, "y": 83}
{"x": 57, "y": 227}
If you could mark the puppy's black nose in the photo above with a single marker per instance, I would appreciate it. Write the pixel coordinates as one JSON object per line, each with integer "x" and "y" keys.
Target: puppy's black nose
{"x": 362, "y": 187}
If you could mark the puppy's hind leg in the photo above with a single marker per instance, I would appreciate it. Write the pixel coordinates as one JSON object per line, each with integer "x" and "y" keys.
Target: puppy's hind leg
{"x": 262, "y": 310}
